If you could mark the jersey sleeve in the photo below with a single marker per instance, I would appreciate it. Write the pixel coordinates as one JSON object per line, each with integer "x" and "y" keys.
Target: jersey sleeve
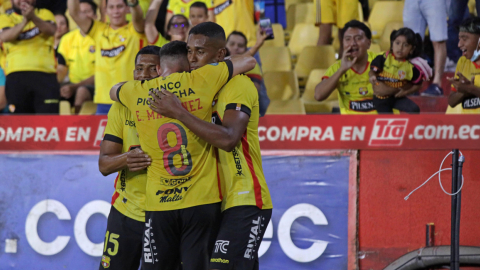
{"x": 240, "y": 94}
{"x": 170, "y": 6}
{"x": 255, "y": 74}
{"x": 60, "y": 58}
{"x": 114, "y": 128}
{"x": 331, "y": 70}
{"x": 125, "y": 93}
{"x": 5, "y": 22}
{"x": 46, "y": 15}
{"x": 377, "y": 64}
{"x": 213, "y": 75}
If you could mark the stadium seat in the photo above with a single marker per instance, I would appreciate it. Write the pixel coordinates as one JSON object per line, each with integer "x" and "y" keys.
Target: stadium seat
{"x": 313, "y": 57}
{"x": 65, "y": 108}
{"x": 308, "y": 97}
{"x": 382, "y": 13}
{"x": 88, "y": 108}
{"x": 281, "y": 85}
{"x": 303, "y": 35}
{"x": 300, "y": 13}
{"x": 375, "y": 48}
{"x": 455, "y": 110}
{"x": 279, "y": 34}
{"x": 286, "y": 107}
{"x": 385, "y": 38}
{"x": 275, "y": 59}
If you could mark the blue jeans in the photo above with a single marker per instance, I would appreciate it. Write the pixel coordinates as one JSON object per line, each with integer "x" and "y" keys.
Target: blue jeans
{"x": 103, "y": 109}
{"x": 458, "y": 12}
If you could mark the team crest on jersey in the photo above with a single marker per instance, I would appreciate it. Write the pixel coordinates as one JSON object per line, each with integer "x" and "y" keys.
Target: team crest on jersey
{"x": 122, "y": 39}
{"x": 92, "y": 49}
{"x": 401, "y": 74}
{"x": 363, "y": 91}
{"x": 105, "y": 261}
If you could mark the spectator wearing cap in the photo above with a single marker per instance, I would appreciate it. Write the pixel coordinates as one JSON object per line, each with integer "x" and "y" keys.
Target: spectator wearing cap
{"x": 349, "y": 75}
{"x": 31, "y": 84}
{"x": 466, "y": 82}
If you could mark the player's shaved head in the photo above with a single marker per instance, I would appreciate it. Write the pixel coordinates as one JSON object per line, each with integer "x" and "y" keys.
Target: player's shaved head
{"x": 212, "y": 31}
{"x": 206, "y": 44}
{"x": 173, "y": 57}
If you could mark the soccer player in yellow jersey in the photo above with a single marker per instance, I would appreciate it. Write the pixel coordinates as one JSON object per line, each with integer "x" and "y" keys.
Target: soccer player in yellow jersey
{"x": 466, "y": 83}
{"x": 350, "y": 74}
{"x": 117, "y": 43}
{"x": 183, "y": 193}
{"x": 27, "y": 36}
{"x": 247, "y": 206}
{"x": 78, "y": 49}
{"x": 120, "y": 151}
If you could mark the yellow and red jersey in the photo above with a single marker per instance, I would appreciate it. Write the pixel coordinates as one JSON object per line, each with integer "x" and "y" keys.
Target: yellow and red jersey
{"x": 469, "y": 69}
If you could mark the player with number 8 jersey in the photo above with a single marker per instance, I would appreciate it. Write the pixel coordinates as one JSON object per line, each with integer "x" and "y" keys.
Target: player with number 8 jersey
{"x": 173, "y": 178}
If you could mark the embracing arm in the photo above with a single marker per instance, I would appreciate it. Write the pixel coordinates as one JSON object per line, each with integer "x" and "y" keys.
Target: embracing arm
{"x": 112, "y": 159}
{"x": 114, "y": 89}
{"x": 242, "y": 64}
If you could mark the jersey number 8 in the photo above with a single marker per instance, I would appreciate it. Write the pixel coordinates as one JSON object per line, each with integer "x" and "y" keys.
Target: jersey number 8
{"x": 180, "y": 148}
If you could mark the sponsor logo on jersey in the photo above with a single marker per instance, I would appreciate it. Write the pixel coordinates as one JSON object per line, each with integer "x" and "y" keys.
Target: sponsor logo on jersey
{"x": 123, "y": 183}
{"x": 238, "y": 162}
{"x": 218, "y": 9}
{"x": 401, "y": 74}
{"x": 129, "y": 123}
{"x": 221, "y": 245}
{"x": 362, "y": 105}
{"x": 173, "y": 182}
{"x": 471, "y": 103}
{"x": 172, "y": 195}
{"x": 388, "y": 132}
{"x": 29, "y": 34}
{"x": 105, "y": 261}
{"x": 112, "y": 52}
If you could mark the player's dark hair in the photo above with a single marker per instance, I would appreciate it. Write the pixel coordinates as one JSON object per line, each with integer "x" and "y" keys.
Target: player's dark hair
{"x": 170, "y": 23}
{"x": 208, "y": 29}
{"x": 238, "y": 33}
{"x": 151, "y": 49}
{"x": 65, "y": 17}
{"x": 174, "y": 49}
{"x": 359, "y": 25}
{"x": 200, "y": 5}
{"x": 470, "y": 25}
{"x": 413, "y": 39}
{"x": 92, "y": 5}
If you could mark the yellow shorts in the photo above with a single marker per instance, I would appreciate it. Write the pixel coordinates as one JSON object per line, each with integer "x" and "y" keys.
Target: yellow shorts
{"x": 337, "y": 12}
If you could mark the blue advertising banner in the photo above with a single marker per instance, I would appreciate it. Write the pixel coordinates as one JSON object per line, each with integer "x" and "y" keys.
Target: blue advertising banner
{"x": 53, "y": 211}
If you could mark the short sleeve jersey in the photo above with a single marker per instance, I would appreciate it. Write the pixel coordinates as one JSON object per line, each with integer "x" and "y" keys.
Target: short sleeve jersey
{"x": 181, "y": 7}
{"x": 32, "y": 50}
{"x": 393, "y": 72}
{"x": 355, "y": 93}
{"x": 236, "y": 15}
{"x": 129, "y": 195}
{"x": 79, "y": 54}
{"x": 183, "y": 170}
{"x": 160, "y": 41}
{"x": 469, "y": 69}
{"x": 115, "y": 50}
{"x": 255, "y": 74}
{"x": 241, "y": 172}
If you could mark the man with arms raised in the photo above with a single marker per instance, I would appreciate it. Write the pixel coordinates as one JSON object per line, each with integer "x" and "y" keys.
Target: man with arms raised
{"x": 116, "y": 42}
{"x": 182, "y": 194}
{"x": 120, "y": 152}
{"x": 247, "y": 206}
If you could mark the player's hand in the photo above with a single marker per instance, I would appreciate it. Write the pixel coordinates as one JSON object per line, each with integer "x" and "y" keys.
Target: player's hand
{"x": 67, "y": 91}
{"x": 347, "y": 59}
{"x": 373, "y": 80}
{"x": 165, "y": 103}
{"x": 28, "y": 11}
{"x": 137, "y": 160}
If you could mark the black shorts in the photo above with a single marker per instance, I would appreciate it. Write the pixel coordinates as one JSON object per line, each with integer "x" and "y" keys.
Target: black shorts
{"x": 32, "y": 92}
{"x": 239, "y": 238}
{"x": 180, "y": 238}
{"x": 123, "y": 242}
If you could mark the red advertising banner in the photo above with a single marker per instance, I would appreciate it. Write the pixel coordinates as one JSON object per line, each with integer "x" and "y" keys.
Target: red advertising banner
{"x": 275, "y": 132}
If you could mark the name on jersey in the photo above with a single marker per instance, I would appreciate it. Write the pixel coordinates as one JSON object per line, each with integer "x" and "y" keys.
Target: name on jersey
{"x": 172, "y": 195}
{"x": 29, "y": 34}
{"x": 218, "y": 9}
{"x": 471, "y": 103}
{"x": 238, "y": 163}
{"x": 112, "y": 52}
{"x": 362, "y": 105}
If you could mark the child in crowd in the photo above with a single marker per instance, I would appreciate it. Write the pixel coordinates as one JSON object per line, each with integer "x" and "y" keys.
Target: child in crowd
{"x": 393, "y": 76}
{"x": 198, "y": 13}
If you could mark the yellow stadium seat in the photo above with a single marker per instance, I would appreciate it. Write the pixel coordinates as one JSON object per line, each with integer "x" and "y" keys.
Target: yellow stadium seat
{"x": 300, "y": 13}
{"x": 455, "y": 110}
{"x": 384, "y": 12}
{"x": 303, "y": 35}
{"x": 385, "y": 38}
{"x": 375, "y": 48}
{"x": 275, "y": 59}
{"x": 286, "y": 107}
{"x": 279, "y": 37}
{"x": 281, "y": 85}
{"x": 314, "y": 57}
{"x": 308, "y": 97}
{"x": 88, "y": 108}
{"x": 65, "y": 108}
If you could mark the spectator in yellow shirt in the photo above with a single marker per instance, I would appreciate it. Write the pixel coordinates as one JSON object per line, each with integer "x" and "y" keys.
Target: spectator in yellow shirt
{"x": 182, "y": 7}
{"x": 177, "y": 27}
{"x": 198, "y": 13}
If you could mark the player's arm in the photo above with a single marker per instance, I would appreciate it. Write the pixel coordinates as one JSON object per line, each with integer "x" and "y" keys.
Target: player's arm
{"x": 137, "y": 16}
{"x": 242, "y": 64}
{"x": 150, "y": 29}
{"x": 84, "y": 23}
{"x": 225, "y": 136}
{"x": 114, "y": 91}
{"x": 11, "y": 34}
{"x": 112, "y": 159}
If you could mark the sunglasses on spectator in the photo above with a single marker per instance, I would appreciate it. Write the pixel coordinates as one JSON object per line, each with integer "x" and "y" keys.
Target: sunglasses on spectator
{"x": 179, "y": 25}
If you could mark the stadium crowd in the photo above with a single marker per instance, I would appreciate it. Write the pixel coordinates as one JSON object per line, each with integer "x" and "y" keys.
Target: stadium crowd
{"x": 70, "y": 66}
